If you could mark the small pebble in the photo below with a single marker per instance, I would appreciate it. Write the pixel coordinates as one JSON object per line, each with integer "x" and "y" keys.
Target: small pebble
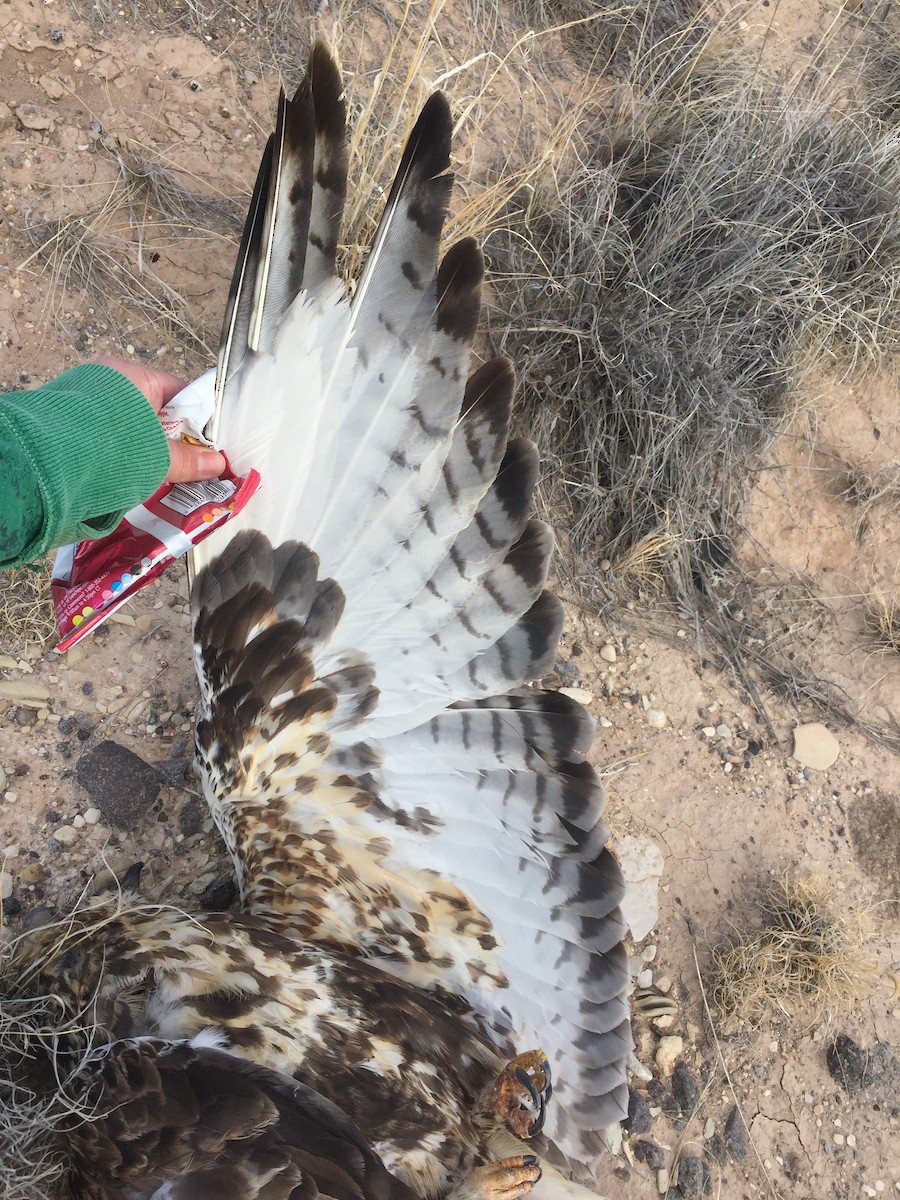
{"x": 648, "y": 1152}
{"x": 645, "y": 978}
{"x": 6, "y": 885}
{"x": 735, "y": 1137}
{"x": 92, "y": 816}
{"x": 574, "y": 693}
{"x": 668, "y": 1052}
{"x": 78, "y": 821}
{"x": 604, "y": 722}
{"x": 65, "y": 834}
{"x": 723, "y": 731}
{"x": 709, "y": 731}
{"x": 685, "y": 1089}
{"x": 693, "y": 1176}
{"x": 31, "y": 874}
{"x": 638, "y": 1119}
{"x": 608, "y": 653}
{"x": 656, "y": 718}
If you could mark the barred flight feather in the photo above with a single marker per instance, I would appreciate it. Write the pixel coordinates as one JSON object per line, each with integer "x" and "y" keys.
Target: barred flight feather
{"x": 364, "y": 630}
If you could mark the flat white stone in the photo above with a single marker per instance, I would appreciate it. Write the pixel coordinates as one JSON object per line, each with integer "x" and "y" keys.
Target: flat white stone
{"x": 642, "y": 865}
{"x": 815, "y": 746}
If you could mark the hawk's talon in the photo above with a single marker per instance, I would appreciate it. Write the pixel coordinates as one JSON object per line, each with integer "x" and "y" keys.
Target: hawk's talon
{"x": 508, "y": 1179}
{"x": 518, "y": 1097}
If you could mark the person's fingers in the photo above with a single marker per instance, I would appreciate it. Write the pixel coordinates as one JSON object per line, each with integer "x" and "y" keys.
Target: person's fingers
{"x": 158, "y": 386}
{"x": 193, "y": 462}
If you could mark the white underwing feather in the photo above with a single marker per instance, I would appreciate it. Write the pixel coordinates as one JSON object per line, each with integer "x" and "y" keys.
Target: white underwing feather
{"x": 365, "y": 628}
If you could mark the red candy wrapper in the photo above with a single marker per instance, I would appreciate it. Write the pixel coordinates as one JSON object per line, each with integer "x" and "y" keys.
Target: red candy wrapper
{"x": 93, "y": 578}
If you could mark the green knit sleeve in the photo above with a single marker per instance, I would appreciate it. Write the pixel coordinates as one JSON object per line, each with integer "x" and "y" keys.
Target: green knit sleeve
{"x": 75, "y": 455}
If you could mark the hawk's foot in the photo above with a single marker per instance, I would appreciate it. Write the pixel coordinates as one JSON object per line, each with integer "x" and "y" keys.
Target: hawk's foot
{"x": 507, "y": 1179}
{"x": 518, "y": 1096}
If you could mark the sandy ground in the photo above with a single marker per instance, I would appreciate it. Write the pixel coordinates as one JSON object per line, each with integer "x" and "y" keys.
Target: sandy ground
{"x": 726, "y": 806}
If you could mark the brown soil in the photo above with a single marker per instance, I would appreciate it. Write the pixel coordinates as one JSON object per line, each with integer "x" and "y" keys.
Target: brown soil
{"x": 727, "y": 805}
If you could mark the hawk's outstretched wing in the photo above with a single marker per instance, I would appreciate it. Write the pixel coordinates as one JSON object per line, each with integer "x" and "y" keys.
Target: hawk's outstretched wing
{"x": 365, "y": 630}
{"x": 182, "y": 1121}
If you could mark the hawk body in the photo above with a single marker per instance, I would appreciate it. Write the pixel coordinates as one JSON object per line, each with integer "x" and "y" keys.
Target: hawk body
{"x": 417, "y": 835}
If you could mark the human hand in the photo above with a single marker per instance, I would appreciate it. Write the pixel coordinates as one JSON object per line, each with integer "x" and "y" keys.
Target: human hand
{"x": 187, "y": 463}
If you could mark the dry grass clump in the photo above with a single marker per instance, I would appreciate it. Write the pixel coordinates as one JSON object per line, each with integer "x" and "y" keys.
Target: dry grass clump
{"x": 661, "y": 296}
{"x": 43, "y": 1044}
{"x": 882, "y": 69}
{"x": 35, "y": 1112}
{"x": 866, "y": 487}
{"x": 488, "y": 91}
{"x": 609, "y": 37}
{"x": 883, "y": 621}
{"x": 26, "y": 610}
{"x": 808, "y": 951}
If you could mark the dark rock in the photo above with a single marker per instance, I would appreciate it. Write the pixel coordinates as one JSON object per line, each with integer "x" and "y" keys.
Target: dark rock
{"x": 685, "y": 1089}
{"x": 26, "y": 717}
{"x": 622, "y": 1173}
{"x": 173, "y": 770}
{"x": 37, "y": 918}
{"x": 87, "y": 688}
{"x": 648, "y": 1152}
{"x": 79, "y": 723}
{"x": 11, "y": 907}
{"x": 848, "y": 1064}
{"x": 693, "y": 1177}
{"x": 658, "y": 1093}
{"x": 53, "y": 816}
{"x": 639, "y": 1119}
{"x": 219, "y": 895}
{"x": 875, "y": 1072}
{"x": 121, "y": 784}
{"x": 716, "y": 1150}
{"x": 190, "y": 819}
{"x": 178, "y": 747}
{"x": 735, "y": 1141}
{"x": 131, "y": 879}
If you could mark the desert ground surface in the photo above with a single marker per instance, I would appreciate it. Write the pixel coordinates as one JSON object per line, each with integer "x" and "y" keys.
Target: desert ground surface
{"x": 707, "y": 800}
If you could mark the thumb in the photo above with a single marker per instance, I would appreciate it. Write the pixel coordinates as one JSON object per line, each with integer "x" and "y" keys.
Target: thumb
{"x": 193, "y": 462}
